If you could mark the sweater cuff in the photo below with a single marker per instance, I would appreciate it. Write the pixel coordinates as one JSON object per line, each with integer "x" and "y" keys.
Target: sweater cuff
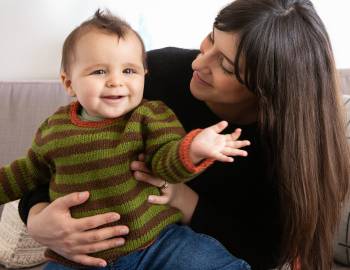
{"x": 184, "y": 153}
{"x": 41, "y": 194}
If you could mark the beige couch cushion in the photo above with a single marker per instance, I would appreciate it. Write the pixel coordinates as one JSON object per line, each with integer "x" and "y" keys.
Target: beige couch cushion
{"x": 23, "y": 106}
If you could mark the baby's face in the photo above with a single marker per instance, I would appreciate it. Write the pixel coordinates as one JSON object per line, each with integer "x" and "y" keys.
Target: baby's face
{"x": 107, "y": 73}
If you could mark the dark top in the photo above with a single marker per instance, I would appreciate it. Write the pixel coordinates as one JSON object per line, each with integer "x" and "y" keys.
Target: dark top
{"x": 237, "y": 205}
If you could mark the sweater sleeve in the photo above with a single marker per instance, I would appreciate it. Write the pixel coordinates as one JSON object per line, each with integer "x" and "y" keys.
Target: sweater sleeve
{"x": 23, "y": 175}
{"x": 166, "y": 147}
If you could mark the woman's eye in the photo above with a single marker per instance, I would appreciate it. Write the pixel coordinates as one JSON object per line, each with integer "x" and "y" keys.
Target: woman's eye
{"x": 225, "y": 69}
{"x": 129, "y": 71}
{"x": 98, "y": 72}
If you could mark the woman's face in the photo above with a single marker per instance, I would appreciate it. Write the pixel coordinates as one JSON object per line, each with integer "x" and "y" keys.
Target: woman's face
{"x": 213, "y": 78}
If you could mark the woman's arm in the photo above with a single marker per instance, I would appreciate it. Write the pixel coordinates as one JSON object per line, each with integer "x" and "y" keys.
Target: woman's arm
{"x": 53, "y": 226}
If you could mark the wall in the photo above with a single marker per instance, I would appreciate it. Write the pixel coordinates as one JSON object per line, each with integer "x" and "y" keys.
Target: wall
{"x": 32, "y": 32}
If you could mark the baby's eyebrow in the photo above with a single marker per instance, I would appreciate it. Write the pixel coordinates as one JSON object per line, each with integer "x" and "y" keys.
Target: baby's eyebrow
{"x": 133, "y": 65}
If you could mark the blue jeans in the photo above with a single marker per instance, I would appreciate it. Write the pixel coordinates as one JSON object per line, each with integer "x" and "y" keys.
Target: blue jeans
{"x": 177, "y": 247}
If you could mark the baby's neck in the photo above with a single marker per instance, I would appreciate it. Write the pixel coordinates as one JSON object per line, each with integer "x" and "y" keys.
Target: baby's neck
{"x": 86, "y": 117}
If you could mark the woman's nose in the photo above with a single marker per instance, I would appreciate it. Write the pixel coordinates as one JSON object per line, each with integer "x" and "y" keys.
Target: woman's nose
{"x": 201, "y": 63}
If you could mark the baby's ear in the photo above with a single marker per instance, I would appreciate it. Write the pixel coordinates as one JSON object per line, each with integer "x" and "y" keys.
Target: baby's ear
{"x": 67, "y": 84}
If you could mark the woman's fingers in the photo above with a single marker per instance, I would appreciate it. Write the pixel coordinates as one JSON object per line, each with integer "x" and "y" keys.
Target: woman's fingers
{"x": 139, "y": 166}
{"x": 158, "y": 199}
{"x": 98, "y": 246}
{"x": 102, "y": 234}
{"x": 147, "y": 178}
{"x": 72, "y": 199}
{"x": 89, "y": 223}
{"x": 86, "y": 260}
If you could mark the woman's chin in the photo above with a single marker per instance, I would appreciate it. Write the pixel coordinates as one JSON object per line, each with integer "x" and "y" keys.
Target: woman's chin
{"x": 196, "y": 91}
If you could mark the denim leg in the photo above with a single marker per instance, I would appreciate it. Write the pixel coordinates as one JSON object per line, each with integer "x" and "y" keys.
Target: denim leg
{"x": 178, "y": 247}
{"x": 128, "y": 262}
{"x": 56, "y": 266}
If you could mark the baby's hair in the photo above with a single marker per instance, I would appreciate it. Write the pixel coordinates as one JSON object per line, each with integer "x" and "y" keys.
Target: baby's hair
{"x": 103, "y": 20}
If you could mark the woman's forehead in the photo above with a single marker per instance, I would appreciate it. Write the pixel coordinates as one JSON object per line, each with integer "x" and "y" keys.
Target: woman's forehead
{"x": 226, "y": 43}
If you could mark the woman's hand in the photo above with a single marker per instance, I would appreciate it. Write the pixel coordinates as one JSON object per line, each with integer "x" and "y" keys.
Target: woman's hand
{"x": 179, "y": 196}
{"x": 53, "y": 226}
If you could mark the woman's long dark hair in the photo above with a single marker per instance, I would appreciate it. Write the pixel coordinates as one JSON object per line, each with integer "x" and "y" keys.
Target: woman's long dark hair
{"x": 287, "y": 61}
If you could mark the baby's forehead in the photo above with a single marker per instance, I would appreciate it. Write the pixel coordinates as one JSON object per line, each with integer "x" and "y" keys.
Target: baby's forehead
{"x": 92, "y": 35}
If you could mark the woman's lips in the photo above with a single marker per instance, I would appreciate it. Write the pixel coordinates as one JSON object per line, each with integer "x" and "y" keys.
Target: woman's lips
{"x": 198, "y": 79}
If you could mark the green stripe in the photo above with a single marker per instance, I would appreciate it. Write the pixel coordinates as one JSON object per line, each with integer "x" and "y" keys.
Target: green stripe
{"x": 59, "y": 116}
{"x": 147, "y": 112}
{"x": 76, "y": 140}
{"x": 103, "y": 193}
{"x": 96, "y": 155}
{"x": 113, "y": 191}
{"x": 134, "y": 126}
{"x": 157, "y": 126}
{"x": 92, "y": 175}
{"x": 124, "y": 208}
{"x": 163, "y": 138}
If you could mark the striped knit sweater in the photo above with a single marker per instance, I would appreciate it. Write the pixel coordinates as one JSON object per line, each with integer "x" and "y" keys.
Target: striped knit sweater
{"x": 76, "y": 155}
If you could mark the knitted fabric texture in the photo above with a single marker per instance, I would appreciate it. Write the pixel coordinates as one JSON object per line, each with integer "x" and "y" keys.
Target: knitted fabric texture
{"x": 185, "y": 157}
{"x": 95, "y": 156}
{"x": 17, "y": 248}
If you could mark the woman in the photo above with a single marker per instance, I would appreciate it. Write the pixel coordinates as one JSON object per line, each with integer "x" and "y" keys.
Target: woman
{"x": 266, "y": 67}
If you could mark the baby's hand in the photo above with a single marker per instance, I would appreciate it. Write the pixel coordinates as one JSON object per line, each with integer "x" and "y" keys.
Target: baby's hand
{"x": 209, "y": 143}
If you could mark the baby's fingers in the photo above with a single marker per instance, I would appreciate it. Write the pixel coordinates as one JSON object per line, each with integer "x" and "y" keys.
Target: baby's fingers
{"x": 222, "y": 157}
{"x": 235, "y": 135}
{"x": 237, "y": 144}
{"x": 228, "y": 151}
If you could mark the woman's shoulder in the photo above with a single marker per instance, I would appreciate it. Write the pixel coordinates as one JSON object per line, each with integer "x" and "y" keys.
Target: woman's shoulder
{"x": 169, "y": 59}
{"x": 169, "y": 74}
{"x": 173, "y": 54}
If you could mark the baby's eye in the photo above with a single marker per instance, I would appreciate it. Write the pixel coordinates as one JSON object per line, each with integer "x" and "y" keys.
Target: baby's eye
{"x": 99, "y": 72}
{"x": 129, "y": 71}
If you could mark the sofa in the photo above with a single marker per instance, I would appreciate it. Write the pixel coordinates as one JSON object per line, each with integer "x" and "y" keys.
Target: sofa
{"x": 23, "y": 106}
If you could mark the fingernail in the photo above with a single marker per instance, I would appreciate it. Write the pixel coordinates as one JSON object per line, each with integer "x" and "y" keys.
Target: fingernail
{"x": 150, "y": 198}
{"x": 83, "y": 195}
{"x": 102, "y": 264}
{"x": 124, "y": 230}
{"x": 119, "y": 242}
{"x": 114, "y": 217}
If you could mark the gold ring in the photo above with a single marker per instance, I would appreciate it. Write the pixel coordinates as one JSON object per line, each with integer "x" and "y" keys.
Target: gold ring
{"x": 164, "y": 186}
